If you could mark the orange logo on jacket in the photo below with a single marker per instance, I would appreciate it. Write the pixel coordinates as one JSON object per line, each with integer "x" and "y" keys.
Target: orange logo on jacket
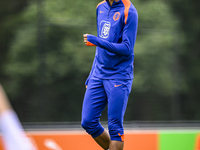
{"x": 116, "y": 16}
{"x": 117, "y": 85}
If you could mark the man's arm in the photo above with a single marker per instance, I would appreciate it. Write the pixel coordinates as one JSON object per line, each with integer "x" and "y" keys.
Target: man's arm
{"x": 13, "y": 135}
{"x": 4, "y": 103}
{"x": 128, "y": 38}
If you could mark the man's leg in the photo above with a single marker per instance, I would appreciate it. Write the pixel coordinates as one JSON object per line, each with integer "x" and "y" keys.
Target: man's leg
{"x": 95, "y": 101}
{"x": 116, "y": 145}
{"x": 117, "y": 93}
{"x": 103, "y": 140}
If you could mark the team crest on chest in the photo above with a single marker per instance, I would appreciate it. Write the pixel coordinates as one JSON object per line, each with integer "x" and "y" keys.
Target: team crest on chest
{"x": 116, "y": 16}
{"x": 104, "y": 29}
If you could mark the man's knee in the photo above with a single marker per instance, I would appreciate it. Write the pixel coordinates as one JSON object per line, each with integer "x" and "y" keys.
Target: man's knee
{"x": 86, "y": 124}
{"x": 92, "y": 127}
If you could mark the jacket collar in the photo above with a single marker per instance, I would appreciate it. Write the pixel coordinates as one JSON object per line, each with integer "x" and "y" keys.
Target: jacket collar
{"x": 114, "y": 3}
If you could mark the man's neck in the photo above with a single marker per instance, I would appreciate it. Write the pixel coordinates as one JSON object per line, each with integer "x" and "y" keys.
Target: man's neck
{"x": 111, "y": 1}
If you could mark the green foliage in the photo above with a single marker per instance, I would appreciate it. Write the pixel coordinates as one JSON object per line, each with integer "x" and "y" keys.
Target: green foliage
{"x": 47, "y": 62}
{"x": 67, "y": 62}
{"x": 189, "y": 18}
{"x": 155, "y": 83}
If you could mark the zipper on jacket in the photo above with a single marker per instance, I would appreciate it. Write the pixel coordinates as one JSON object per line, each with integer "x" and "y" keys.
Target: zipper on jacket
{"x": 108, "y": 12}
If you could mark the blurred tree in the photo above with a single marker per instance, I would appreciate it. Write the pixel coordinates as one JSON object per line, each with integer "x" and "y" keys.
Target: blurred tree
{"x": 189, "y": 19}
{"x": 9, "y": 12}
{"x": 66, "y": 57}
{"x": 159, "y": 82}
{"x": 157, "y": 79}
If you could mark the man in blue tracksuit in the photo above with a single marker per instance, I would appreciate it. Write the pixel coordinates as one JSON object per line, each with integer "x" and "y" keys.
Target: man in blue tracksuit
{"x": 110, "y": 79}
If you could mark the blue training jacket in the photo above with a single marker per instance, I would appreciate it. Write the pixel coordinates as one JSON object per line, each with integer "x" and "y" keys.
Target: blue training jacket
{"x": 116, "y": 36}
